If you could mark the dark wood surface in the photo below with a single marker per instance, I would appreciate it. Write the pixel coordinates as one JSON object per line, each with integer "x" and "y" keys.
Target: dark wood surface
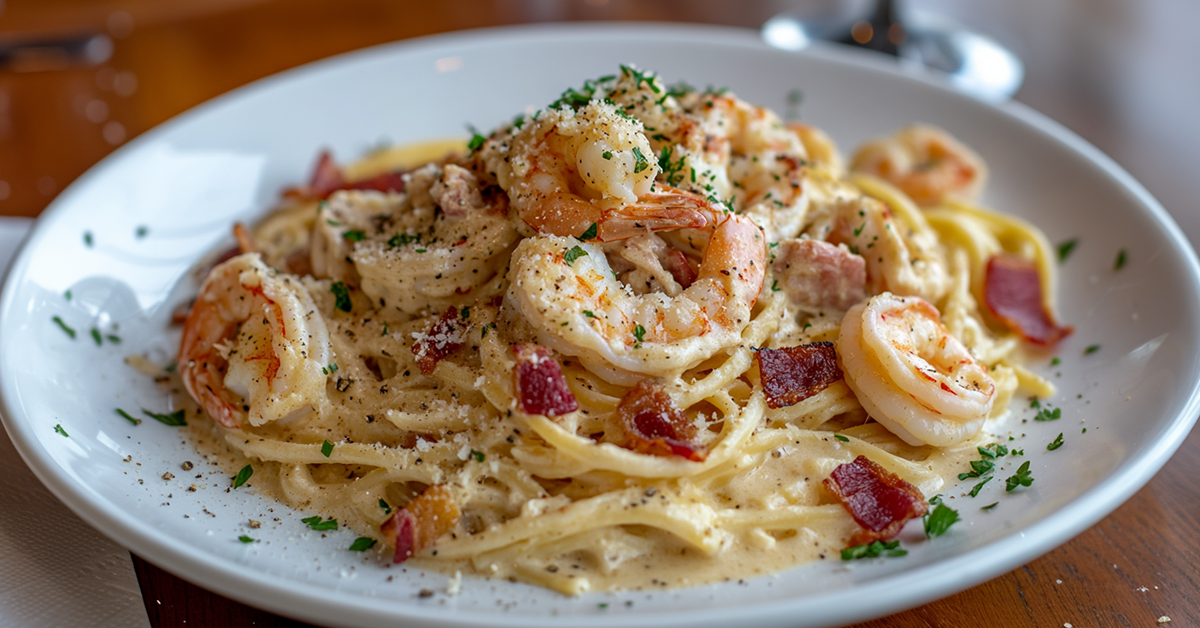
{"x": 1137, "y": 565}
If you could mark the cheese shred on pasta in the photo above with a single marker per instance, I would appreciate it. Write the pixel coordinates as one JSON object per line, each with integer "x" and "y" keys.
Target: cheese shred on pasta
{"x": 367, "y": 346}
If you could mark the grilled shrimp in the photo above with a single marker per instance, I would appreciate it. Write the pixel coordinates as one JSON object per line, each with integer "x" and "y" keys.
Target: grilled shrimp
{"x": 927, "y": 163}
{"x": 910, "y": 374}
{"x": 254, "y": 346}
{"x": 568, "y": 293}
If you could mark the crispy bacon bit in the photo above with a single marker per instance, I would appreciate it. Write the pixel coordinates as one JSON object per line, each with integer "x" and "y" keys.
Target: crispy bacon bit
{"x": 792, "y": 374}
{"x": 878, "y": 500}
{"x": 819, "y": 276}
{"x": 676, "y": 263}
{"x": 421, "y": 523}
{"x": 1012, "y": 290}
{"x": 541, "y": 387}
{"x": 654, "y": 425}
{"x": 444, "y": 337}
{"x": 328, "y": 178}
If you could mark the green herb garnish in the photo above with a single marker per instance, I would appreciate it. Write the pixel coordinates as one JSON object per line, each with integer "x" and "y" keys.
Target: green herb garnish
{"x": 1119, "y": 263}
{"x": 640, "y": 162}
{"x": 639, "y": 332}
{"x": 975, "y": 490}
{"x": 387, "y": 510}
{"x": 245, "y": 539}
{"x": 97, "y": 337}
{"x": 242, "y": 476}
{"x": 362, "y": 544}
{"x": 342, "y": 295}
{"x": 477, "y": 455}
{"x": 890, "y": 549}
{"x": 59, "y": 428}
{"x": 591, "y": 232}
{"x": 1091, "y": 349}
{"x": 841, "y": 438}
{"x": 1022, "y": 478}
{"x": 62, "y": 325}
{"x": 326, "y": 448}
{"x": 1058, "y": 442}
{"x": 940, "y": 520}
{"x": 174, "y": 419}
{"x": 316, "y": 524}
{"x": 575, "y": 253}
{"x": 131, "y": 419}
{"x": 1047, "y": 414}
{"x": 354, "y": 235}
{"x": 1065, "y": 248}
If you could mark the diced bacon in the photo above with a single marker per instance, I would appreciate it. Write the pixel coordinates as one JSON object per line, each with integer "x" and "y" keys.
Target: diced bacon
{"x": 421, "y": 523}
{"x": 878, "y": 500}
{"x": 541, "y": 387}
{"x": 792, "y": 374}
{"x": 328, "y": 178}
{"x": 1012, "y": 291}
{"x": 676, "y": 263}
{"x": 654, "y": 425}
{"x": 818, "y": 276}
{"x": 444, "y": 337}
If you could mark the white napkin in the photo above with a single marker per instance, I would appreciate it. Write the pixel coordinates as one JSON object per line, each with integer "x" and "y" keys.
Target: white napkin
{"x": 55, "y": 570}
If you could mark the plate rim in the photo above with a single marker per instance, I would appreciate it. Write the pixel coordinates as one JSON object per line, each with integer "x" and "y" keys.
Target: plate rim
{"x": 304, "y": 600}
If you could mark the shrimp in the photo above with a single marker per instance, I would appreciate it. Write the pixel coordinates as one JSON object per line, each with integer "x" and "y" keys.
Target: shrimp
{"x": 926, "y": 163}
{"x": 566, "y": 169}
{"x": 910, "y": 374}
{"x": 567, "y": 292}
{"x": 254, "y": 347}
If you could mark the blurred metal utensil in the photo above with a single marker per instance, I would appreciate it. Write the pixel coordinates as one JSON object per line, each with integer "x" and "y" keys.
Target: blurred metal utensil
{"x": 974, "y": 63}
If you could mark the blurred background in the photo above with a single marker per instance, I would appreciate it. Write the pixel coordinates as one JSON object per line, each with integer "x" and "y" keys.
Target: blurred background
{"x": 78, "y": 78}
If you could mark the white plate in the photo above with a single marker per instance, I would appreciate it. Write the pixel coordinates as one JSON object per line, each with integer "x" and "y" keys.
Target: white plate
{"x": 189, "y": 179}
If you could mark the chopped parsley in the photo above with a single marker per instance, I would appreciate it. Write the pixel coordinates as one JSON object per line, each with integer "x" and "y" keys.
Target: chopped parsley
{"x": 320, "y": 526}
{"x": 128, "y": 417}
{"x": 67, "y": 295}
{"x": 141, "y": 231}
{"x": 979, "y": 468}
{"x": 242, "y": 476}
{"x": 59, "y": 428}
{"x": 62, "y": 325}
{"x": 672, "y": 170}
{"x": 994, "y": 450}
{"x": 1119, "y": 263}
{"x": 890, "y": 549}
{"x": 1055, "y": 361}
{"x": 245, "y": 539}
{"x": 342, "y": 294}
{"x": 402, "y": 239}
{"x": 476, "y": 142}
{"x": 87, "y": 238}
{"x": 477, "y": 455}
{"x": 589, "y": 314}
{"x": 1022, "y": 478}
{"x": 591, "y": 232}
{"x": 641, "y": 77}
{"x": 990, "y": 506}
{"x": 387, "y": 510}
{"x": 1091, "y": 349}
{"x": 975, "y": 491}
{"x": 326, "y": 448}
{"x": 940, "y": 520}
{"x": 576, "y": 98}
{"x": 97, "y": 337}
{"x": 1065, "y": 248}
{"x": 465, "y": 313}
{"x": 640, "y": 162}
{"x": 362, "y": 544}
{"x": 575, "y": 253}
{"x": 639, "y": 332}
{"x": 1047, "y": 414}
{"x": 385, "y": 330}
{"x": 774, "y": 285}
{"x": 1058, "y": 442}
{"x": 607, "y": 154}
{"x": 174, "y": 419}
{"x": 841, "y": 438}
{"x": 354, "y": 235}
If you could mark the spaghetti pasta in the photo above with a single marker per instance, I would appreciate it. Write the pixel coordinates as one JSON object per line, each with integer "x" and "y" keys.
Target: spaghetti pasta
{"x": 614, "y": 261}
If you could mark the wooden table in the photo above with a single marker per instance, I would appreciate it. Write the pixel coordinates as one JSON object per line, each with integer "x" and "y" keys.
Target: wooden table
{"x": 1100, "y": 72}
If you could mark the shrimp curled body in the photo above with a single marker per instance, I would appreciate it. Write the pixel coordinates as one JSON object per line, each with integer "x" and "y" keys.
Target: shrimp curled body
{"x": 911, "y": 374}
{"x": 567, "y": 292}
{"x": 925, "y": 162}
{"x": 254, "y": 346}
